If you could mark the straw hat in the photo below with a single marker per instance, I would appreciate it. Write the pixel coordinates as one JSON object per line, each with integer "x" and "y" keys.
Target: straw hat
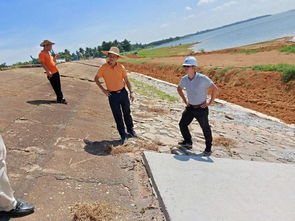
{"x": 46, "y": 42}
{"x": 113, "y": 50}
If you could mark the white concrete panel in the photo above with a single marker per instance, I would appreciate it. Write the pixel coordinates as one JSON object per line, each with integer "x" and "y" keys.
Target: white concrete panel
{"x": 195, "y": 188}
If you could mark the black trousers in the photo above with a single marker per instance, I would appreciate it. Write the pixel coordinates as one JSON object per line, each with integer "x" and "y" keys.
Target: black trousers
{"x": 119, "y": 103}
{"x": 201, "y": 115}
{"x": 56, "y": 85}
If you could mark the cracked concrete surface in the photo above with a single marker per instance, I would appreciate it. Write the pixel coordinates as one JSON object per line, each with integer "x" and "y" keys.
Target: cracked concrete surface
{"x": 58, "y": 154}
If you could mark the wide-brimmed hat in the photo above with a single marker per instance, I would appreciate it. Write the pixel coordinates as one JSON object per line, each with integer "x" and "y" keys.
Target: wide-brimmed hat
{"x": 113, "y": 50}
{"x": 46, "y": 42}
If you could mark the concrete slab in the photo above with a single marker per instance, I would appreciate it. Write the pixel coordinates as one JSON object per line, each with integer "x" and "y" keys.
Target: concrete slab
{"x": 200, "y": 188}
{"x": 2, "y": 145}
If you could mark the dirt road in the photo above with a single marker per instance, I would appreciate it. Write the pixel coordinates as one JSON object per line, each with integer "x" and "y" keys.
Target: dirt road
{"x": 60, "y": 154}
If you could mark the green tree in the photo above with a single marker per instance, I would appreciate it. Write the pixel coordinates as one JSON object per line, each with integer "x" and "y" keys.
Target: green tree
{"x": 126, "y": 46}
{"x": 81, "y": 50}
{"x": 3, "y": 65}
{"x": 105, "y": 46}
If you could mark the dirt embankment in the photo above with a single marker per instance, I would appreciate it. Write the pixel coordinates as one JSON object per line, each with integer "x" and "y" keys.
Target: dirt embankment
{"x": 260, "y": 91}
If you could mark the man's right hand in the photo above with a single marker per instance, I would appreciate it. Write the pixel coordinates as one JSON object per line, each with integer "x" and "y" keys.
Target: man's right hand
{"x": 106, "y": 92}
{"x": 49, "y": 75}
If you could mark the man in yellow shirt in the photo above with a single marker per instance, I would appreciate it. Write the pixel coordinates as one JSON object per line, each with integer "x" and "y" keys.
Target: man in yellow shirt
{"x": 48, "y": 63}
{"x": 115, "y": 77}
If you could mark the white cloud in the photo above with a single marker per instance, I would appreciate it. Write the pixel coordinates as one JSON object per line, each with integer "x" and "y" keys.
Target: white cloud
{"x": 202, "y": 2}
{"x": 188, "y": 8}
{"x": 225, "y": 5}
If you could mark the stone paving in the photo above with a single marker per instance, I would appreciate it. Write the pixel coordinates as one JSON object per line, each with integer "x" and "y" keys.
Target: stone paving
{"x": 238, "y": 133}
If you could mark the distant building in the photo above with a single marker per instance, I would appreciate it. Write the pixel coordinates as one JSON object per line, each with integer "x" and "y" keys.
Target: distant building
{"x": 75, "y": 58}
{"x": 60, "y": 60}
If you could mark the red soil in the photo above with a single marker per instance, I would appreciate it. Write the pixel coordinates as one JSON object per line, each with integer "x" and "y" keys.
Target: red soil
{"x": 260, "y": 91}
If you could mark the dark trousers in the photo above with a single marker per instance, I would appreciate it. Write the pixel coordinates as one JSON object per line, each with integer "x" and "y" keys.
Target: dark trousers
{"x": 119, "y": 103}
{"x": 201, "y": 115}
{"x": 55, "y": 83}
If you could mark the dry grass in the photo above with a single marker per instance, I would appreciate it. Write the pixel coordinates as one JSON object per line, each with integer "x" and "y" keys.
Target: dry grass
{"x": 122, "y": 149}
{"x": 222, "y": 141}
{"x": 153, "y": 109}
{"x": 94, "y": 212}
{"x": 134, "y": 147}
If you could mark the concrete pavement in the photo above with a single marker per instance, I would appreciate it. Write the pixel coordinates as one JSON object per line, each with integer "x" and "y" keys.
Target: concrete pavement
{"x": 193, "y": 188}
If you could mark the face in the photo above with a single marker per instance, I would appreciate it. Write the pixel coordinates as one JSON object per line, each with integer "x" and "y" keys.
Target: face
{"x": 112, "y": 58}
{"x": 48, "y": 47}
{"x": 189, "y": 69}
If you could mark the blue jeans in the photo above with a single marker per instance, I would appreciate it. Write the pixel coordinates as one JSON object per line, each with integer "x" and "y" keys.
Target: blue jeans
{"x": 201, "y": 115}
{"x": 119, "y": 103}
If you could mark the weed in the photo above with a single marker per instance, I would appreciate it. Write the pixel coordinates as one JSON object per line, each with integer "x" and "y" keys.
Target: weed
{"x": 184, "y": 49}
{"x": 287, "y": 70}
{"x": 151, "y": 91}
{"x": 248, "y": 51}
{"x": 93, "y": 211}
{"x": 288, "y": 49}
{"x": 133, "y": 60}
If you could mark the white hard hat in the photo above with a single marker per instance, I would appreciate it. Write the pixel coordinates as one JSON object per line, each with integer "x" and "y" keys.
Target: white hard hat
{"x": 190, "y": 61}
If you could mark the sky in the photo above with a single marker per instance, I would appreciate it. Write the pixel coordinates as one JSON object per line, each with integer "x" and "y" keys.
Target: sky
{"x": 72, "y": 24}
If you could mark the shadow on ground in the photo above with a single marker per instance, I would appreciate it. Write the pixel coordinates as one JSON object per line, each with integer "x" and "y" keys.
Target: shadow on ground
{"x": 179, "y": 155}
{"x": 38, "y": 102}
{"x": 100, "y": 148}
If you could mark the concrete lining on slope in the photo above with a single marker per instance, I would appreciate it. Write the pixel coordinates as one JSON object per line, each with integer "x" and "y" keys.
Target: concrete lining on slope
{"x": 200, "y": 188}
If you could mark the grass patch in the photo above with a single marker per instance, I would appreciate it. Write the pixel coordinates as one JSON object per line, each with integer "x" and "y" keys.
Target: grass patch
{"x": 133, "y": 60}
{"x": 147, "y": 90}
{"x": 248, "y": 51}
{"x": 288, "y": 49}
{"x": 287, "y": 70}
{"x": 167, "y": 51}
{"x": 219, "y": 75}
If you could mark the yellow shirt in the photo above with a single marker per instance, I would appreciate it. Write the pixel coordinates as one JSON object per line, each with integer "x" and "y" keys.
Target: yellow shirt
{"x": 47, "y": 59}
{"x": 113, "y": 76}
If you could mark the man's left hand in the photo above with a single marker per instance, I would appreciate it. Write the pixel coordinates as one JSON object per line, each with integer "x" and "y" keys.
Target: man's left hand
{"x": 205, "y": 104}
{"x": 131, "y": 96}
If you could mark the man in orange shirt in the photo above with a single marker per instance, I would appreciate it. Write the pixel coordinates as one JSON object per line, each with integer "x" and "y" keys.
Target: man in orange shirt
{"x": 48, "y": 63}
{"x": 115, "y": 77}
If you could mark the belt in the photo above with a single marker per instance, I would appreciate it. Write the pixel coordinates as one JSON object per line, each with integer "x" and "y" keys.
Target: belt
{"x": 195, "y": 106}
{"x": 117, "y": 92}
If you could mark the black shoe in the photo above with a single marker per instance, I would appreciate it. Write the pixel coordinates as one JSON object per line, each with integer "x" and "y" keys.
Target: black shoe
{"x": 62, "y": 101}
{"x": 22, "y": 208}
{"x": 123, "y": 140}
{"x": 207, "y": 153}
{"x": 186, "y": 144}
{"x": 132, "y": 134}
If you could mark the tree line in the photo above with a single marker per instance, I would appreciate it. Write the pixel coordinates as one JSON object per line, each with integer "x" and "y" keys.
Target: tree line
{"x": 85, "y": 53}
{"x": 95, "y": 52}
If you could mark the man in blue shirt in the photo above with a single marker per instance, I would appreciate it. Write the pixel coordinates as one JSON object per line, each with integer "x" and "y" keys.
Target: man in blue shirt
{"x": 196, "y": 85}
